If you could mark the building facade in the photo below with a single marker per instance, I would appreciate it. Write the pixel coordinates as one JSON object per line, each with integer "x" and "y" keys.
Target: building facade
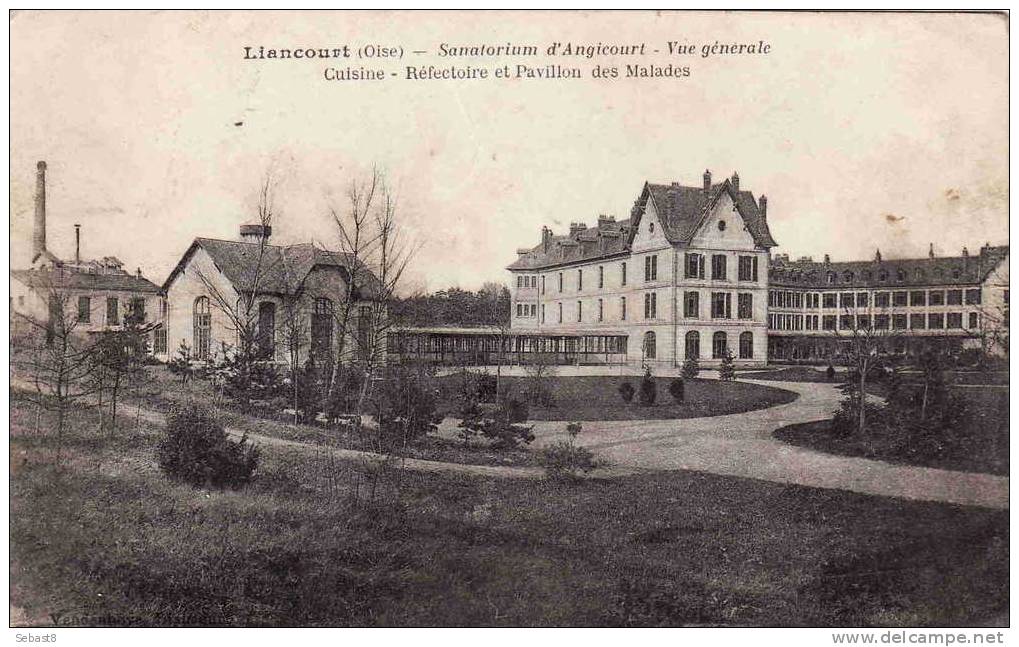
{"x": 686, "y": 275}
{"x": 953, "y": 302}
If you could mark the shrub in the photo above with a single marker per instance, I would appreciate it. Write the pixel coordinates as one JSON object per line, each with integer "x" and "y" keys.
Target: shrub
{"x": 830, "y": 373}
{"x": 626, "y": 391}
{"x": 727, "y": 371}
{"x": 486, "y": 386}
{"x": 648, "y": 389}
{"x": 405, "y": 408}
{"x": 677, "y": 389}
{"x": 691, "y": 367}
{"x": 196, "y": 450}
{"x": 565, "y": 460}
{"x": 500, "y": 425}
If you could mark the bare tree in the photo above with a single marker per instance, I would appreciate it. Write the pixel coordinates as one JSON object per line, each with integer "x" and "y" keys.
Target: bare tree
{"x": 864, "y": 345}
{"x": 241, "y": 311}
{"x": 994, "y": 315}
{"x": 295, "y": 338}
{"x": 498, "y": 315}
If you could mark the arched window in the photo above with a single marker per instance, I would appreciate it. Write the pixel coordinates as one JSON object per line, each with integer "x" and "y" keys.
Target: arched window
{"x": 649, "y": 345}
{"x": 746, "y": 345}
{"x": 202, "y": 328}
{"x": 693, "y": 345}
{"x": 719, "y": 345}
{"x": 322, "y": 331}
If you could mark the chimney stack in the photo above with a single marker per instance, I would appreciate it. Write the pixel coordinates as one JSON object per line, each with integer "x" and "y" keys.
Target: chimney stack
{"x": 877, "y": 256}
{"x": 827, "y": 259}
{"x": 965, "y": 253}
{"x": 707, "y": 180}
{"x": 39, "y": 233}
{"x": 546, "y": 238}
{"x": 138, "y": 272}
{"x": 764, "y": 206}
{"x": 77, "y": 244}
{"x": 930, "y": 251}
{"x": 735, "y": 181}
{"x": 255, "y": 233}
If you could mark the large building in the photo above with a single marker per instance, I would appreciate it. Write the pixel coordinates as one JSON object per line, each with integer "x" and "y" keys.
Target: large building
{"x": 690, "y": 274}
{"x": 93, "y": 296}
{"x": 686, "y": 275}
{"x": 287, "y": 297}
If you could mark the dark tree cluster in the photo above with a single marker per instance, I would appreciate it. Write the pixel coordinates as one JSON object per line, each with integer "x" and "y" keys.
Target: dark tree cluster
{"x": 489, "y": 306}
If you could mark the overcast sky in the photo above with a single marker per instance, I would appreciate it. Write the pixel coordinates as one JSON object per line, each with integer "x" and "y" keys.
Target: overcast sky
{"x": 863, "y": 130}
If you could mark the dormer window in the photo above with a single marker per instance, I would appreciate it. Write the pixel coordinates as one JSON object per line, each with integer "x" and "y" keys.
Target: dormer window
{"x": 847, "y": 277}
{"x": 831, "y": 277}
{"x": 882, "y": 275}
{"x": 901, "y": 275}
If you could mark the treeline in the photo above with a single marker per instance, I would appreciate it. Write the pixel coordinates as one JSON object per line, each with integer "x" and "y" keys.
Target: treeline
{"x": 489, "y": 306}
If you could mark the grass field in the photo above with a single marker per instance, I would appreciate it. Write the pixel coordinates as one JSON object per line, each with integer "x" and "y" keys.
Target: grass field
{"x": 597, "y": 398}
{"x": 105, "y": 539}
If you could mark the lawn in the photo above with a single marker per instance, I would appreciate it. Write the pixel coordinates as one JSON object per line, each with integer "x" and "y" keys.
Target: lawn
{"x": 105, "y": 539}
{"x": 597, "y": 398}
{"x": 987, "y": 429}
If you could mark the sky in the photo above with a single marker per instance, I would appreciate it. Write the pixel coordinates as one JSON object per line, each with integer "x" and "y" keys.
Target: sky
{"x": 864, "y": 130}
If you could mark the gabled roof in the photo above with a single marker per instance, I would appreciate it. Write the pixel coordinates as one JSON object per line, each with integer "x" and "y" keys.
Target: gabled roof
{"x": 270, "y": 269}
{"x": 888, "y": 273}
{"x": 681, "y": 209}
{"x": 57, "y": 278}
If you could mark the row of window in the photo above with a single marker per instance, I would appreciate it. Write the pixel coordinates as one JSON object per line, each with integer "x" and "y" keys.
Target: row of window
{"x": 692, "y": 345}
{"x": 898, "y": 298}
{"x": 919, "y": 321}
{"x": 919, "y": 274}
{"x": 136, "y": 309}
{"x": 721, "y": 307}
{"x": 746, "y": 267}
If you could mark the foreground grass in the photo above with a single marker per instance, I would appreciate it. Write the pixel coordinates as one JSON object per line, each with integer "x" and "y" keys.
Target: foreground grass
{"x": 107, "y": 540}
{"x": 597, "y": 398}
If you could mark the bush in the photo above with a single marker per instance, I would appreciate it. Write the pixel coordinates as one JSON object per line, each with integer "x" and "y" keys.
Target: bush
{"x": 830, "y": 373}
{"x": 196, "y": 450}
{"x": 565, "y": 460}
{"x": 648, "y": 389}
{"x": 500, "y": 425}
{"x": 626, "y": 391}
{"x": 691, "y": 367}
{"x": 727, "y": 371}
{"x": 405, "y": 408}
{"x": 677, "y": 389}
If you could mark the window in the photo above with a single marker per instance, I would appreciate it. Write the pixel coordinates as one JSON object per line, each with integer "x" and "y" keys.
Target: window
{"x": 917, "y": 321}
{"x": 693, "y": 344}
{"x": 745, "y": 305}
{"x": 973, "y": 297}
{"x": 899, "y": 298}
{"x": 112, "y": 311}
{"x": 202, "y": 328}
{"x": 719, "y": 345}
{"x": 651, "y": 306}
{"x": 651, "y": 268}
{"x": 543, "y": 313}
{"x": 861, "y": 299}
{"x": 721, "y": 225}
{"x": 84, "y": 309}
{"x": 900, "y": 275}
{"x": 560, "y": 312}
{"x": 266, "y": 340}
{"x": 936, "y": 321}
{"x": 721, "y": 305}
{"x": 847, "y": 300}
{"x": 973, "y": 321}
{"x": 691, "y": 305}
{"x": 622, "y": 308}
{"x": 580, "y": 280}
{"x": 718, "y": 268}
{"x": 917, "y": 298}
{"x": 863, "y": 321}
{"x": 831, "y": 277}
{"x": 601, "y": 277}
{"x": 520, "y": 310}
{"x": 828, "y": 322}
{"x": 560, "y": 281}
{"x": 651, "y": 227}
{"x": 881, "y": 322}
{"x": 695, "y": 266}
{"x": 955, "y": 297}
{"x": 937, "y": 297}
{"x": 159, "y": 340}
{"x": 899, "y": 322}
{"x": 322, "y": 331}
{"x": 830, "y": 300}
{"x": 580, "y": 310}
{"x": 623, "y": 276}
{"x": 747, "y": 268}
{"x": 746, "y": 345}
{"x": 649, "y": 345}
{"x": 882, "y": 275}
{"x": 847, "y": 277}
{"x": 601, "y": 310}
{"x": 881, "y": 299}
{"x": 847, "y": 322}
{"x": 954, "y": 320}
{"x": 543, "y": 284}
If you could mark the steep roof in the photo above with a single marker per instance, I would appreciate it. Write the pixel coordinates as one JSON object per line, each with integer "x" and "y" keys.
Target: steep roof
{"x": 271, "y": 269}
{"x": 45, "y": 279}
{"x": 681, "y": 209}
{"x": 888, "y": 273}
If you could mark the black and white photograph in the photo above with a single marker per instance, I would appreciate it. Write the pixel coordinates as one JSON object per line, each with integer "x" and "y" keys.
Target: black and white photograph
{"x": 671, "y": 319}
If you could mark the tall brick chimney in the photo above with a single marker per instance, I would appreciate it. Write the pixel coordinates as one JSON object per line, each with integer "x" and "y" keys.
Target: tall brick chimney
{"x": 735, "y": 181}
{"x": 707, "y": 180}
{"x": 77, "y": 244}
{"x": 39, "y": 231}
{"x": 763, "y": 201}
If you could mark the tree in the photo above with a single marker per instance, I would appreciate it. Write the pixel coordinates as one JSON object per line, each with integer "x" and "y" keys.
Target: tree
{"x": 864, "y": 349}
{"x": 727, "y": 371}
{"x": 648, "y": 389}
{"x": 691, "y": 368}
